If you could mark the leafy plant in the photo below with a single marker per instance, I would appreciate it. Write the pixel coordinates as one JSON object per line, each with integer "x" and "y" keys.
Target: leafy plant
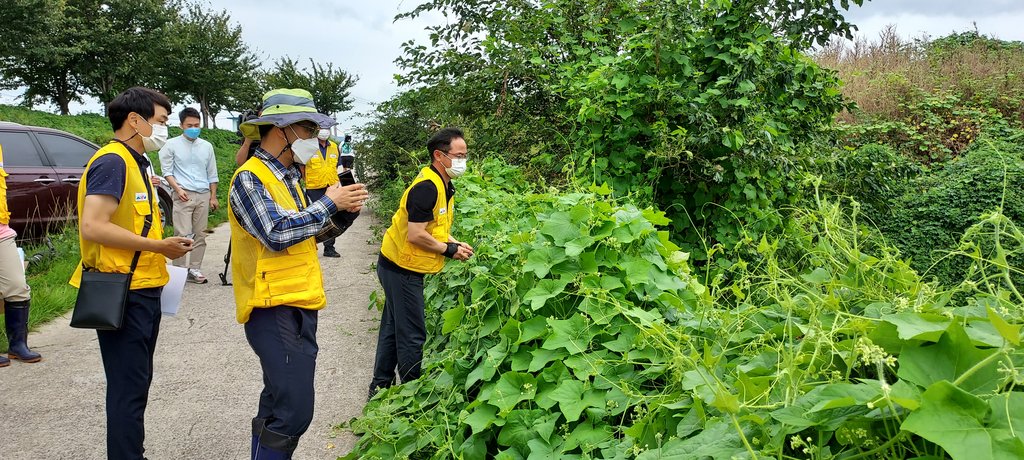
{"x": 580, "y": 331}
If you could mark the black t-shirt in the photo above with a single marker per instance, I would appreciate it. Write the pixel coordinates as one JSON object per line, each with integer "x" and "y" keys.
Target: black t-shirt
{"x": 106, "y": 174}
{"x": 423, "y": 197}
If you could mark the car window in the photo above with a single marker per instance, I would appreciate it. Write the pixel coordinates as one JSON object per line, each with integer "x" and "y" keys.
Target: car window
{"x": 19, "y": 150}
{"x": 65, "y": 151}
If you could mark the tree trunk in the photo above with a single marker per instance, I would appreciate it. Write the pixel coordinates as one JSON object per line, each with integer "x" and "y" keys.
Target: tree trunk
{"x": 206, "y": 111}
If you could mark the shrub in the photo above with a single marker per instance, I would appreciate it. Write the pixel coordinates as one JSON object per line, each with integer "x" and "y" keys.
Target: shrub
{"x": 930, "y": 217}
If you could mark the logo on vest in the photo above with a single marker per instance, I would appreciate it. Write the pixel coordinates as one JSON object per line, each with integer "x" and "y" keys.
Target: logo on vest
{"x": 141, "y": 196}
{"x": 443, "y": 211}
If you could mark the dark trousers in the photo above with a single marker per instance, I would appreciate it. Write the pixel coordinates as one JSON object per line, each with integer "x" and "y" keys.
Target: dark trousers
{"x": 315, "y": 194}
{"x": 284, "y": 338}
{"x": 128, "y": 363}
{"x": 402, "y": 329}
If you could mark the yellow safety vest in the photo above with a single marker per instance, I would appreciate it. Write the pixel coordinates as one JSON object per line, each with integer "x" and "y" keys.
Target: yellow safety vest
{"x": 396, "y": 246}
{"x": 5, "y": 215}
{"x": 265, "y": 278}
{"x": 323, "y": 172}
{"x": 135, "y": 205}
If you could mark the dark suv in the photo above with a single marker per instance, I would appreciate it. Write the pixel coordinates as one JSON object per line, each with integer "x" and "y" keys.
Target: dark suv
{"x": 45, "y": 166}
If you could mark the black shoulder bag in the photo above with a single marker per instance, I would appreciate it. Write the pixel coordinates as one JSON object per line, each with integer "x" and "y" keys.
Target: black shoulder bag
{"x": 102, "y": 297}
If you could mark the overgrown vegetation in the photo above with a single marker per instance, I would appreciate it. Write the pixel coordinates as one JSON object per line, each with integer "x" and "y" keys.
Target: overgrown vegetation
{"x": 829, "y": 276}
{"x": 580, "y": 331}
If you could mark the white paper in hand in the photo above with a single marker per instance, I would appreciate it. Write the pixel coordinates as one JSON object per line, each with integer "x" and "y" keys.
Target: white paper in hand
{"x": 170, "y": 300}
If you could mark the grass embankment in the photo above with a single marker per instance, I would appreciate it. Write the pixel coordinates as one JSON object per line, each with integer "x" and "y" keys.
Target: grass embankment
{"x": 51, "y": 294}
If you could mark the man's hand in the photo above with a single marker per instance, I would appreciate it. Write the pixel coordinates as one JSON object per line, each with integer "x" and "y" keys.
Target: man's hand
{"x": 155, "y": 180}
{"x": 464, "y": 252}
{"x": 214, "y": 204}
{"x": 174, "y": 247}
{"x": 182, "y": 194}
{"x": 350, "y": 197}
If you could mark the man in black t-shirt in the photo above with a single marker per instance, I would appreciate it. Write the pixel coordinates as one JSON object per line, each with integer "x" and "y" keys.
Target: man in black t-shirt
{"x": 418, "y": 242}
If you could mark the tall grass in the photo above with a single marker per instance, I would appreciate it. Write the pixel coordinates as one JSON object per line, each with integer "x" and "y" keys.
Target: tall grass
{"x": 884, "y": 76}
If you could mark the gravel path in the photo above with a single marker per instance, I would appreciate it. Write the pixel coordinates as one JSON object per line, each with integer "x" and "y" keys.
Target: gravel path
{"x": 207, "y": 379}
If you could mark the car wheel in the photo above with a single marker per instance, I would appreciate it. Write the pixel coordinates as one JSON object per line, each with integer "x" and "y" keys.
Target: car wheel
{"x": 165, "y": 212}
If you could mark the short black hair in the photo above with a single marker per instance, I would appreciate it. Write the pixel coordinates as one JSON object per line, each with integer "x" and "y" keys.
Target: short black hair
{"x": 442, "y": 140}
{"x": 264, "y": 129}
{"x": 348, "y": 138}
{"x": 140, "y": 100}
{"x": 187, "y": 113}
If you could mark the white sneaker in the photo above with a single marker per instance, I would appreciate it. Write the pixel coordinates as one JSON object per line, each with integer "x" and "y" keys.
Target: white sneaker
{"x": 196, "y": 276}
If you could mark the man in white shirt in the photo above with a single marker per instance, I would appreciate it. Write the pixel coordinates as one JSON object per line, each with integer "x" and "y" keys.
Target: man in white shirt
{"x": 190, "y": 167}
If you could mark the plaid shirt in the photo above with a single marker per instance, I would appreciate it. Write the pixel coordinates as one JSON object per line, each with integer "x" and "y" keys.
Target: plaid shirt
{"x": 276, "y": 227}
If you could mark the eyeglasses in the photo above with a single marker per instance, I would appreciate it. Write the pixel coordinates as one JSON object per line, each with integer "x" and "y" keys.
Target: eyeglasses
{"x": 311, "y": 130}
{"x": 460, "y": 157}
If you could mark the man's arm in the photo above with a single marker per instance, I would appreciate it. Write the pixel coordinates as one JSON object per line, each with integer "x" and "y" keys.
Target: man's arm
{"x": 167, "y": 168}
{"x": 243, "y": 152}
{"x": 211, "y": 176}
{"x": 277, "y": 228}
{"x": 97, "y": 227}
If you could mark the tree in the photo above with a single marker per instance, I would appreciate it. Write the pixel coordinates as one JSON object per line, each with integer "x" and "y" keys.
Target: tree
{"x": 330, "y": 87}
{"x": 129, "y": 41}
{"x": 210, "y": 63}
{"x": 43, "y": 46}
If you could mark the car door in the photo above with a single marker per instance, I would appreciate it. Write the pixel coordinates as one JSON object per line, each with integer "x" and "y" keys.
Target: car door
{"x": 68, "y": 155}
{"x": 30, "y": 182}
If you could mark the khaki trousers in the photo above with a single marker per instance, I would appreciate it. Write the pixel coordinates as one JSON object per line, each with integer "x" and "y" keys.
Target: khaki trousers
{"x": 191, "y": 217}
{"x": 13, "y": 286}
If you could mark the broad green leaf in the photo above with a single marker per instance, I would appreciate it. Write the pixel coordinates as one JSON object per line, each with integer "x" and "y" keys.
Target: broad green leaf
{"x": 1008, "y": 412}
{"x": 569, "y": 395}
{"x": 452, "y": 319}
{"x": 573, "y": 334}
{"x": 541, "y": 450}
{"x": 586, "y": 434}
{"x": 560, "y": 228}
{"x": 573, "y": 399}
{"x": 519, "y": 429}
{"x": 541, "y": 260}
{"x": 511, "y": 389}
{"x": 533, "y": 328}
{"x": 948, "y": 359}
{"x": 955, "y": 420}
{"x": 546, "y": 425}
{"x": 482, "y": 418}
{"x": 817, "y": 276}
{"x": 918, "y": 326}
{"x": 541, "y": 358}
{"x": 718, "y": 440}
{"x": 1009, "y": 331}
{"x": 545, "y": 290}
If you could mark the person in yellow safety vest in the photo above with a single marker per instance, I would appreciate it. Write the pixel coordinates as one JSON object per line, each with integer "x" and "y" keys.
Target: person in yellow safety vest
{"x": 277, "y": 279}
{"x": 14, "y": 290}
{"x": 114, "y": 202}
{"x": 321, "y": 172}
{"x": 417, "y": 243}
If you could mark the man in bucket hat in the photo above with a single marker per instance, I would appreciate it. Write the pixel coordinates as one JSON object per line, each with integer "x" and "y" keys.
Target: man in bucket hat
{"x": 277, "y": 279}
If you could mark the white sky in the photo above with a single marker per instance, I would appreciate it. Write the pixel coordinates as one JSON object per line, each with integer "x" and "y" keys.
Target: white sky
{"x": 362, "y": 38}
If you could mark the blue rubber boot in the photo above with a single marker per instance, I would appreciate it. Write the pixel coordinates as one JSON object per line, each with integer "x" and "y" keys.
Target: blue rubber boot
{"x": 16, "y": 317}
{"x": 257, "y": 430}
{"x": 275, "y": 446}
{"x": 4, "y": 362}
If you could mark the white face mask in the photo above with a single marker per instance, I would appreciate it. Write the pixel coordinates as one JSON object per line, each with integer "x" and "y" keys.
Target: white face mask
{"x": 156, "y": 140}
{"x": 304, "y": 149}
{"x": 324, "y": 134}
{"x": 458, "y": 167}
